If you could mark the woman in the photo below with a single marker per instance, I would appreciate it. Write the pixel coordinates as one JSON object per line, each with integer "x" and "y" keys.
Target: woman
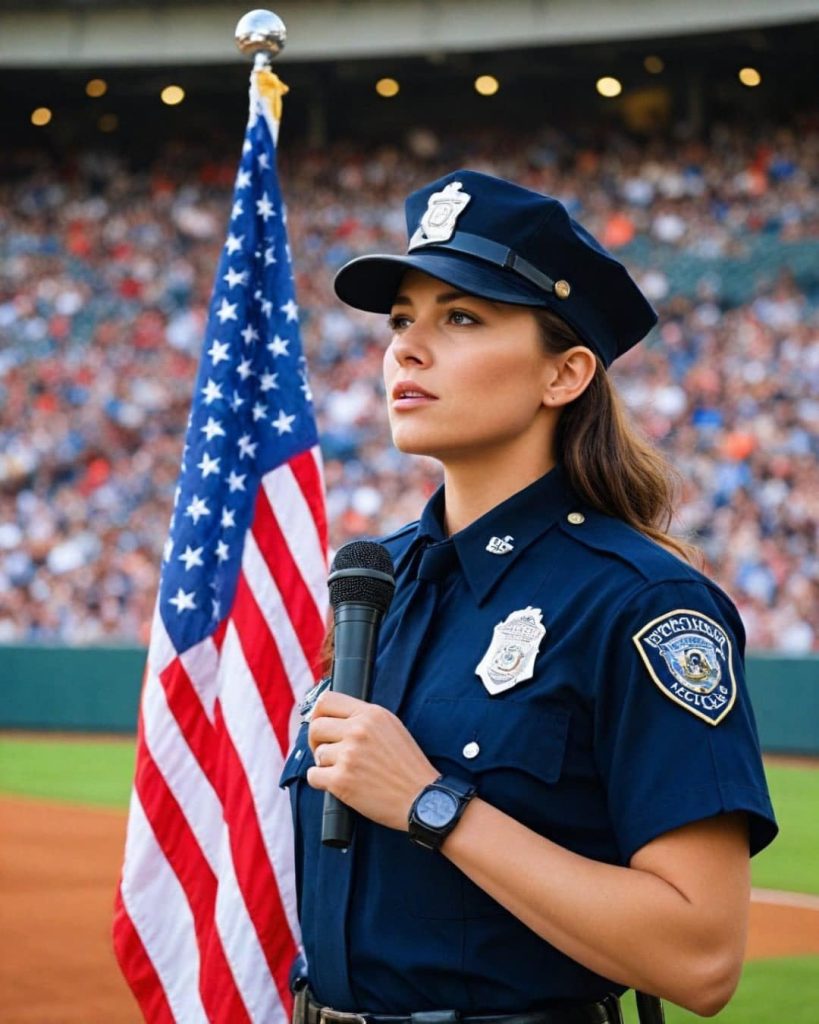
{"x": 558, "y": 706}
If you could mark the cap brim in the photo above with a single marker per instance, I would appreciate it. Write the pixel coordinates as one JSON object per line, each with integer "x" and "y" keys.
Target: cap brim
{"x": 371, "y": 282}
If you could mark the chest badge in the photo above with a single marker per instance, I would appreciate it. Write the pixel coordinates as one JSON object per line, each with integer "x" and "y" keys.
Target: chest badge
{"x": 500, "y": 546}
{"x": 510, "y": 658}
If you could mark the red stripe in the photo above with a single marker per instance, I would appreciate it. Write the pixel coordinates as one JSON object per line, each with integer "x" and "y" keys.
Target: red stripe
{"x": 264, "y": 661}
{"x": 298, "y": 599}
{"x": 186, "y": 707}
{"x": 306, "y": 472}
{"x": 184, "y": 855}
{"x": 136, "y": 965}
{"x": 254, "y": 872}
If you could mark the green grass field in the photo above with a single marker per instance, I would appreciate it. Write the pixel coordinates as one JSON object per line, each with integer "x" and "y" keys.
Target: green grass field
{"x": 783, "y": 991}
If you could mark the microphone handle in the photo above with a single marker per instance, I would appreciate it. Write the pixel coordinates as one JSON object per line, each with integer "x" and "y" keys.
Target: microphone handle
{"x": 355, "y": 634}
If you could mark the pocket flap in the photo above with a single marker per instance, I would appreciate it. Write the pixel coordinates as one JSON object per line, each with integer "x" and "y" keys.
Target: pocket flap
{"x": 298, "y": 760}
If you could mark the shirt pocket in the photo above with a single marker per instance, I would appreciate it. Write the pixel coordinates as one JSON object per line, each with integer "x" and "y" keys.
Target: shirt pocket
{"x": 514, "y": 752}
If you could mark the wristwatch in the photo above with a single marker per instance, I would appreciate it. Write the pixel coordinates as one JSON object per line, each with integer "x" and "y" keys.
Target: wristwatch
{"x": 437, "y": 810}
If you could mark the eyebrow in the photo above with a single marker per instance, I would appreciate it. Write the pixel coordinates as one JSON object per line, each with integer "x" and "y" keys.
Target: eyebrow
{"x": 443, "y": 298}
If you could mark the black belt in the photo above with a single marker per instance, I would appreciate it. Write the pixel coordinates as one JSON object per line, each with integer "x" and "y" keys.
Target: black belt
{"x": 307, "y": 1011}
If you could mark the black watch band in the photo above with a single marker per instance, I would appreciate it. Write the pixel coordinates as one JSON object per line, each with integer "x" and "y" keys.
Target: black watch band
{"x": 437, "y": 810}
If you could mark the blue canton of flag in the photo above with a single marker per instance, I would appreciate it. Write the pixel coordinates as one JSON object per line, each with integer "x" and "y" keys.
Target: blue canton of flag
{"x": 252, "y": 409}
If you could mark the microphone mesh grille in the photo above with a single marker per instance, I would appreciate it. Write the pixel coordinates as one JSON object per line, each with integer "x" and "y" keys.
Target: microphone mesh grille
{"x": 363, "y": 589}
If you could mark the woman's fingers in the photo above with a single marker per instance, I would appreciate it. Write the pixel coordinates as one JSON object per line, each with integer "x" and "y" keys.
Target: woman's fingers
{"x": 326, "y": 730}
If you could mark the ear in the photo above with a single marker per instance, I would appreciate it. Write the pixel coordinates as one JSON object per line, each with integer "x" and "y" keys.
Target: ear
{"x": 571, "y": 374}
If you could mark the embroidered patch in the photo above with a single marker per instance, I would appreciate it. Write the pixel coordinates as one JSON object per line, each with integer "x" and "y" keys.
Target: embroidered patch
{"x": 510, "y": 658}
{"x": 689, "y": 657}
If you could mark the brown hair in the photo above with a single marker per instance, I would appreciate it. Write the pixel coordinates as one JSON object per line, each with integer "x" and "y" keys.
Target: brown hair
{"x": 609, "y": 465}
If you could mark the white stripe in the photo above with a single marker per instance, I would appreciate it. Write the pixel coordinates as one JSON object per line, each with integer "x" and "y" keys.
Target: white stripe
{"x": 159, "y": 911}
{"x": 273, "y": 609}
{"x": 202, "y": 665}
{"x": 242, "y": 948}
{"x": 300, "y": 534}
{"x": 255, "y": 741}
{"x": 161, "y": 650}
{"x": 179, "y": 768}
{"x": 781, "y": 898}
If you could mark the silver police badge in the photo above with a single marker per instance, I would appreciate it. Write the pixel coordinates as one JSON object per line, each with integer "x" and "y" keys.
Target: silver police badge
{"x": 510, "y": 658}
{"x": 688, "y": 655}
{"x": 443, "y": 210}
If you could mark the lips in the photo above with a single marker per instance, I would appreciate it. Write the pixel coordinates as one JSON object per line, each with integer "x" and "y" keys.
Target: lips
{"x": 408, "y": 390}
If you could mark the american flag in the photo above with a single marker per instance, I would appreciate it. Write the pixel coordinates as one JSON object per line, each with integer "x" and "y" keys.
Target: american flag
{"x": 205, "y": 925}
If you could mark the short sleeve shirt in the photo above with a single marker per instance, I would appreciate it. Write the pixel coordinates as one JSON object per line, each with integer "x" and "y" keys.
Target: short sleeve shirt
{"x": 589, "y": 683}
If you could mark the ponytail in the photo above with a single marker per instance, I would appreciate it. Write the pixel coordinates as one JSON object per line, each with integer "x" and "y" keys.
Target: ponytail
{"x": 609, "y": 465}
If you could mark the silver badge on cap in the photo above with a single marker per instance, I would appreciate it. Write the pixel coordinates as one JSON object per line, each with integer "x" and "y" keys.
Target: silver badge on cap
{"x": 510, "y": 658}
{"x": 500, "y": 546}
{"x": 443, "y": 210}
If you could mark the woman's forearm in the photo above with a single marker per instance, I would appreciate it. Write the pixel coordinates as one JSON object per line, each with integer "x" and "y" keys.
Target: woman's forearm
{"x": 629, "y": 924}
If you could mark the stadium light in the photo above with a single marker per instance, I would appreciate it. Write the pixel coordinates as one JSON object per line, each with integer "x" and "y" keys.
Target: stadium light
{"x": 40, "y": 117}
{"x": 750, "y": 77}
{"x": 171, "y": 95}
{"x": 654, "y": 65}
{"x": 108, "y": 123}
{"x": 486, "y": 85}
{"x": 96, "y": 87}
{"x": 387, "y": 87}
{"x": 609, "y": 87}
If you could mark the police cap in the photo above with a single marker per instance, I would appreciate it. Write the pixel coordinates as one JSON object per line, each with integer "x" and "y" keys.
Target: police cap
{"x": 500, "y": 241}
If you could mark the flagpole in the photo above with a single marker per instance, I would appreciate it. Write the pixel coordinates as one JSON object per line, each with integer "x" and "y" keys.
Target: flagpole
{"x": 261, "y": 35}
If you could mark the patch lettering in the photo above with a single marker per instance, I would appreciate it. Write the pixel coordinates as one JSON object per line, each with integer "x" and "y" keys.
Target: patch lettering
{"x": 689, "y": 657}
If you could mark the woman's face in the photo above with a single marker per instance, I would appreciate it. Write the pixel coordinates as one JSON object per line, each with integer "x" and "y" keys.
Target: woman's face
{"x": 465, "y": 376}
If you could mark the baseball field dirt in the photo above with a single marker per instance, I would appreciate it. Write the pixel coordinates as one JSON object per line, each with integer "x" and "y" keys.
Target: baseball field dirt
{"x": 58, "y": 870}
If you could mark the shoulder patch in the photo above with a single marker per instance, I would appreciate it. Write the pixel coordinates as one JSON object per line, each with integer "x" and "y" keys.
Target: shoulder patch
{"x": 689, "y": 657}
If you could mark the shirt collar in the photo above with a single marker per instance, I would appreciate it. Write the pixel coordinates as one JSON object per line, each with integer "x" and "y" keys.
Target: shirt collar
{"x": 487, "y": 548}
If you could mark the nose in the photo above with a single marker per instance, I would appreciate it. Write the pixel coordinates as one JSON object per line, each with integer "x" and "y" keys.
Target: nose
{"x": 411, "y": 346}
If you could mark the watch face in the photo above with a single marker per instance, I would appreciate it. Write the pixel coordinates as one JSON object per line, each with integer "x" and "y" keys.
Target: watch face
{"x": 436, "y": 808}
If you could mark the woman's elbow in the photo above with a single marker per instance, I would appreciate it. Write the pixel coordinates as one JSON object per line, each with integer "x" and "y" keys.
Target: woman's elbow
{"x": 711, "y": 984}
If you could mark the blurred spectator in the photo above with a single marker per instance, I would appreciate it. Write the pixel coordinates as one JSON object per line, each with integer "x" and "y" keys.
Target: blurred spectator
{"x": 105, "y": 276}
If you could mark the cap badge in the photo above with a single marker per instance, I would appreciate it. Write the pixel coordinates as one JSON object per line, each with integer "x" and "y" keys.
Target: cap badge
{"x": 498, "y": 546}
{"x": 443, "y": 210}
{"x": 510, "y": 658}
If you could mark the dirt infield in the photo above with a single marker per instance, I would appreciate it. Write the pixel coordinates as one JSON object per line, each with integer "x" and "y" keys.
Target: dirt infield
{"x": 58, "y": 870}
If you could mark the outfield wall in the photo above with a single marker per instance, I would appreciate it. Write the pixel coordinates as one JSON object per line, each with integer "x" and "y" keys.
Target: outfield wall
{"x": 97, "y": 690}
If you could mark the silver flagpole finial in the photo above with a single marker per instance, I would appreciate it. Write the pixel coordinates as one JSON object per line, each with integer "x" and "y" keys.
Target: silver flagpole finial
{"x": 260, "y": 35}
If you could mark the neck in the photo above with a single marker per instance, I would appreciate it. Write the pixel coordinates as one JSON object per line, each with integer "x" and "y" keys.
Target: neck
{"x": 472, "y": 488}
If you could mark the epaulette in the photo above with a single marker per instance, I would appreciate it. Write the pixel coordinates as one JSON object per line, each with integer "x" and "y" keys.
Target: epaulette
{"x": 617, "y": 540}
{"x": 398, "y": 541}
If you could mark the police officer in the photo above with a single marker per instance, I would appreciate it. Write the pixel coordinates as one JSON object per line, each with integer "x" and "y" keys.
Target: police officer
{"x": 558, "y": 780}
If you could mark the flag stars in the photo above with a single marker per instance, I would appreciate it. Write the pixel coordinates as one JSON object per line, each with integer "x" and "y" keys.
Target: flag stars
{"x": 250, "y": 334}
{"x": 234, "y": 243}
{"x": 283, "y": 423}
{"x": 259, "y": 412}
{"x": 228, "y": 518}
{"x": 243, "y": 179}
{"x": 197, "y": 509}
{"x": 213, "y": 428}
{"x": 263, "y": 160}
{"x": 227, "y": 311}
{"x": 278, "y": 346}
{"x": 268, "y": 381}
{"x": 222, "y": 551}
{"x": 208, "y": 465}
{"x": 234, "y": 277}
{"x": 237, "y": 401}
{"x": 244, "y": 370}
{"x": 237, "y": 210}
{"x": 183, "y": 602}
{"x": 247, "y": 448}
{"x": 211, "y": 391}
{"x": 191, "y": 557}
{"x": 267, "y": 307}
{"x": 236, "y": 481}
{"x": 291, "y": 310}
{"x": 218, "y": 352}
{"x": 269, "y": 258}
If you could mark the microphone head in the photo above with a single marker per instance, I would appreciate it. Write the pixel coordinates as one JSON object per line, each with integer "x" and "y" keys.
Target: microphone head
{"x": 362, "y": 573}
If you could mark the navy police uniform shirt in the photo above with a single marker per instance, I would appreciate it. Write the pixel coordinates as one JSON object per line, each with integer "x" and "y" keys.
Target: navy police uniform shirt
{"x": 591, "y": 685}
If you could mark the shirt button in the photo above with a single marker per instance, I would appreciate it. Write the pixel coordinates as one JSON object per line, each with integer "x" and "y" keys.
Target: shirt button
{"x": 576, "y": 518}
{"x": 471, "y": 750}
{"x": 298, "y": 754}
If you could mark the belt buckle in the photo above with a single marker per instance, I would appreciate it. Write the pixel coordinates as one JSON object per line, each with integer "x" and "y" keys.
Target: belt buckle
{"x": 330, "y": 1016}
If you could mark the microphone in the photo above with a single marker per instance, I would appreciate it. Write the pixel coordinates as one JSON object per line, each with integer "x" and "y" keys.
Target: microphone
{"x": 361, "y": 585}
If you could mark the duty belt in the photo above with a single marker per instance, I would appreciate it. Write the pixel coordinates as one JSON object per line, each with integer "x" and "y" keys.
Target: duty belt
{"x": 307, "y": 1011}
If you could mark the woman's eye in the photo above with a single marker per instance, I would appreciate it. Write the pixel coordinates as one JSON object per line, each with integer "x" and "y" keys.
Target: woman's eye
{"x": 460, "y": 318}
{"x": 396, "y": 323}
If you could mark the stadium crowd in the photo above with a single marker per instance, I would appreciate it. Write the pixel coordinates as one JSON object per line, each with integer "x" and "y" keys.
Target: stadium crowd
{"x": 105, "y": 278}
